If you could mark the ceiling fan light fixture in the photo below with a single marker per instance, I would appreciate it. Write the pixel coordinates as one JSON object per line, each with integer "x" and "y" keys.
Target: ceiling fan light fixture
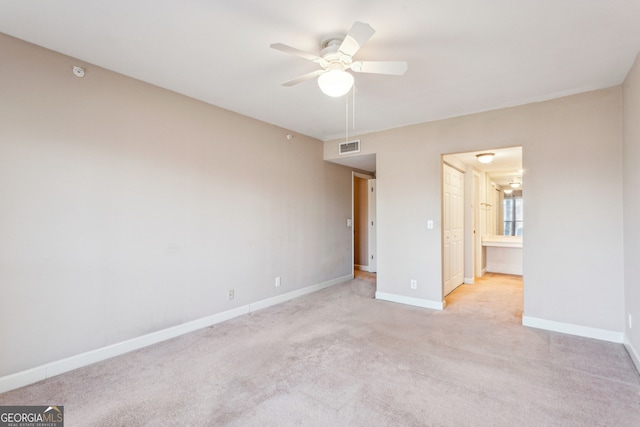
{"x": 485, "y": 158}
{"x": 335, "y": 82}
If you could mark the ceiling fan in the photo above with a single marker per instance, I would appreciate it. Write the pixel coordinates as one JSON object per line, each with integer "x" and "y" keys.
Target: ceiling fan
{"x": 336, "y": 57}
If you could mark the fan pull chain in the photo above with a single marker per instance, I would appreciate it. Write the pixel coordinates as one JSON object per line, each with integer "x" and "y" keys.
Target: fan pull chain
{"x": 353, "y": 114}
{"x": 346, "y": 118}
{"x": 353, "y": 106}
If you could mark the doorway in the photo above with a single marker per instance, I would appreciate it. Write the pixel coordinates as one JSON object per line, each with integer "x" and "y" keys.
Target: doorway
{"x": 486, "y": 187}
{"x": 364, "y": 223}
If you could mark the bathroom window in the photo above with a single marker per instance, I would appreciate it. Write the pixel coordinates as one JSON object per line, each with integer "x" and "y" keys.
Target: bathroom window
{"x": 513, "y": 219}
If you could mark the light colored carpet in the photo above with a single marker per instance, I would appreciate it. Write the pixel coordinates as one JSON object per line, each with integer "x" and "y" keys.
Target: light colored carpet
{"x": 339, "y": 357}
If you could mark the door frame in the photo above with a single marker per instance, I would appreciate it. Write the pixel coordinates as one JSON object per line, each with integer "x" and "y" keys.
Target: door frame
{"x": 355, "y": 175}
{"x": 477, "y": 237}
{"x": 372, "y": 225}
{"x": 478, "y": 185}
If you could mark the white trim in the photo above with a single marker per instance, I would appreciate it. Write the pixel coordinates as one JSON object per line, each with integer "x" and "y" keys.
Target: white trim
{"x": 372, "y": 225}
{"x": 417, "y": 302}
{"x": 84, "y": 359}
{"x": 297, "y": 293}
{"x": 355, "y": 174}
{"x": 469, "y": 280}
{"x": 23, "y": 378}
{"x": 571, "y": 329}
{"x": 362, "y": 175}
{"x": 39, "y": 373}
{"x": 635, "y": 358}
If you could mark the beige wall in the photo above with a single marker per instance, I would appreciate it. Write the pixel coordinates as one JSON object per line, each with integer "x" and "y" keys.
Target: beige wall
{"x": 126, "y": 209}
{"x": 572, "y": 155}
{"x": 631, "y": 150}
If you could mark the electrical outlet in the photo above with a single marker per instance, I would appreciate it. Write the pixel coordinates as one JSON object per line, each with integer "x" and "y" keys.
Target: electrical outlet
{"x": 414, "y": 284}
{"x": 277, "y": 281}
{"x": 231, "y": 295}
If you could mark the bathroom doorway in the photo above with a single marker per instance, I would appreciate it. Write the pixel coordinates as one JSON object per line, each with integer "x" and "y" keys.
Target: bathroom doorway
{"x": 492, "y": 204}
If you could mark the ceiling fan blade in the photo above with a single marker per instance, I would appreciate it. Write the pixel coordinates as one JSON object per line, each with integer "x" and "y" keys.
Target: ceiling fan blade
{"x": 394, "y": 68}
{"x": 293, "y": 51}
{"x": 303, "y": 78}
{"x": 356, "y": 38}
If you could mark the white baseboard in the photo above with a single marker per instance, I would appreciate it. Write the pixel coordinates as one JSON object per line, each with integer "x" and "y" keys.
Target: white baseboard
{"x": 571, "y": 329}
{"x": 418, "y": 302}
{"x": 361, "y": 267}
{"x": 635, "y": 357}
{"x": 297, "y": 293}
{"x": 469, "y": 280}
{"x": 39, "y": 373}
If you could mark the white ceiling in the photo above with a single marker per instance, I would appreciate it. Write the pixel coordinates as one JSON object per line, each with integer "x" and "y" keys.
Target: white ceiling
{"x": 464, "y": 56}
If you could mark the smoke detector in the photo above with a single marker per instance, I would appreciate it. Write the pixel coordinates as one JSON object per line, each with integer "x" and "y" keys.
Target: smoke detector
{"x": 78, "y": 71}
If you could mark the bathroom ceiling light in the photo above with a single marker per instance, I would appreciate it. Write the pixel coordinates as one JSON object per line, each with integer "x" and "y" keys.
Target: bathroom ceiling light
{"x": 485, "y": 158}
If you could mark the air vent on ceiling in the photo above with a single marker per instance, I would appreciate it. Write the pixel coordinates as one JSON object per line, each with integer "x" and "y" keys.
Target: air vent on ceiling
{"x": 349, "y": 147}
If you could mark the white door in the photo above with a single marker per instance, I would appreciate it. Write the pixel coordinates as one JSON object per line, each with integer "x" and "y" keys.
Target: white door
{"x": 452, "y": 229}
{"x": 372, "y": 226}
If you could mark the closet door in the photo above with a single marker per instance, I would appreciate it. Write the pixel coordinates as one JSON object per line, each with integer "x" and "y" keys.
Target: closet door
{"x": 452, "y": 228}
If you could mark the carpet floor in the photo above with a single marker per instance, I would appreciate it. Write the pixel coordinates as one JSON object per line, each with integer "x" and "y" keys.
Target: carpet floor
{"x": 340, "y": 357}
